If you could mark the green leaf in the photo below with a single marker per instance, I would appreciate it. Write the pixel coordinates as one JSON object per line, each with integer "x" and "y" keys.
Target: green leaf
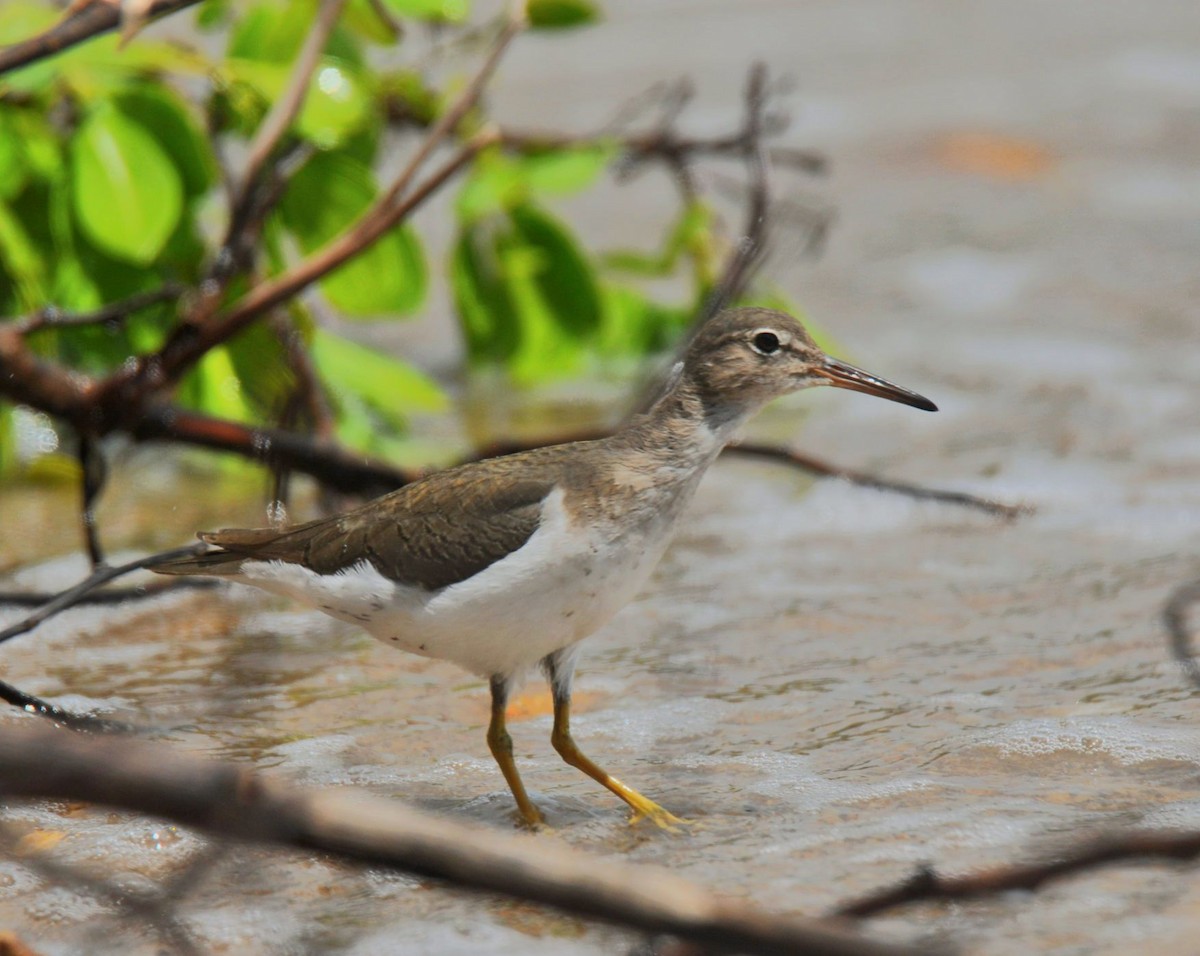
{"x": 127, "y": 194}
{"x": 329, "y": 193}
{"x": 499, "y": 182}
{"x": 484, "y": 306}
{"x": 385, "y": 384}
{"x": 273, "y": 32}
{"x": 12, "y": 157}
{"x": 39, "y": 144}
{"x": 565, "y": 279}
{"x": 560, "y": 14}
{"x": 167, "y": 118}
{"x": 525, "y": 293}
{"x": 22, "y": 261}
{"x": 361, "y": 18}
{"x": 637, "y": 325}
{"x": 451, "y": 11}
{"x": 213, "y": 14}
{"x": 691, "y": 234}
{"x": 409, "y": 92}
{"x": 338, "y": 102}
{"x": 496, "y": 184}
{"x": 219, "y": 387}
{"x": 565, "y": 171}
{"x": 8, "y": 439}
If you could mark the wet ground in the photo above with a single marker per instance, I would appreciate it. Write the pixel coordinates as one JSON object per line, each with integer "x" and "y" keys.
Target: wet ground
{"x": 837, "y": 684}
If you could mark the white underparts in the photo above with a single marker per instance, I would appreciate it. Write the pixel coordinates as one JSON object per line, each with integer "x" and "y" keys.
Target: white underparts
{"x": 563, "y": 584}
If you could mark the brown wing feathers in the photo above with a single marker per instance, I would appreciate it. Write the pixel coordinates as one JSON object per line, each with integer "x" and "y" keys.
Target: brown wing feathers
{"x": 429, "y": 534}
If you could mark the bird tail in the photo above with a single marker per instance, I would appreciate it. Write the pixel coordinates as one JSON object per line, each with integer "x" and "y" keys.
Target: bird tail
{"x": 220, "y": 563}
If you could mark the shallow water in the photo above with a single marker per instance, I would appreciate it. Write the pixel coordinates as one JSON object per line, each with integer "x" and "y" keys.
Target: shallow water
{"x": 838, "y": 684}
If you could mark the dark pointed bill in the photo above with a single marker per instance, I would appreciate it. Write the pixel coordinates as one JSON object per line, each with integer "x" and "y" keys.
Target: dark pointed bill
{"x": 844, "y": 375}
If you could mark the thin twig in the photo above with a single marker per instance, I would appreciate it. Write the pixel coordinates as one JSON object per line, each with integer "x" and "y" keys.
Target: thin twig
{"x": 66, "y": 599}
{"x": 385, "y": 17}
{"x": 656, "y": 145}
{"x": 926, "y": 885}
{"x": 287, "y": 107}
{"x": 93, "y": 472}
{"x": 1175, "y": 619}
{"x": 88, "y": 723}
{"x": 51, "y": 317}
{"x": 138, "y": 592}
{"x": 863, "y": 479}
{"x": 751, "y": 248}
{"x": 514, "y": 23}
{"x": 99, "y": 576}
{"x": 229, "y": 800}
{"x": 183, "y": 351}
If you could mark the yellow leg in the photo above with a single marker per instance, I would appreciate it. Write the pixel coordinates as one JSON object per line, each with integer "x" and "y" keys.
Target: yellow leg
{"x": 500, "y": 743}
{"x": 643, "y": 807}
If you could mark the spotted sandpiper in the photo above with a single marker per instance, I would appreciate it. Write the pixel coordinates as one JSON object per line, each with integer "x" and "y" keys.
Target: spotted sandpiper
{"x": 500, "y": 564}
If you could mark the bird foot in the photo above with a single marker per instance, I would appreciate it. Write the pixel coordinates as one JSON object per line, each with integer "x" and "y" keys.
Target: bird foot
{"x": 662, "y": 818}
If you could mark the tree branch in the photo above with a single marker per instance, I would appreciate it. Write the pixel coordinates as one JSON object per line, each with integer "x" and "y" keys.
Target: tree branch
{"x": 86, "y": 22}
{"x": 285, "y": 109}
{"x": 115, "y": 312}
{"x": 926, "y": 885}
{"x": 751, "y": 248}
{"x": 223, "y": 799}
{"x": 863, "y": 479}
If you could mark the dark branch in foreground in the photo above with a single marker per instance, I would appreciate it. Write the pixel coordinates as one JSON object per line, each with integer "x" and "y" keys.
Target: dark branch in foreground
{"x": 926, "y": 885}
{"x": 226, "y": 800}
{"x": 1175, "y": 619}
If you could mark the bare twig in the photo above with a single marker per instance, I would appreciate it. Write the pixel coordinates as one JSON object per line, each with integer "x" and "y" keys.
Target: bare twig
{"x": 186, "y": 347}
{"x": 386, "y": 19}
{"x": 286, "y": 108}
{"x": 449, "y": 120}
{"x": 83, "y": 24}
{"x": 824, "y": 469}
{"x": 101, "y": 575}
{"x": 66, "y": 718}
{"x": 751, "y": 248}
{"x": 108, "y": 595}
{"x": 656, "y": 145}
{"x": 66, "y": 599}
{"x": 926, "y": 885}
{"x": 115, "y": 312}
{"x": 228, "y": 800}
{"x": 93, "y": 472}
{"x": 1175, "y": 619}
{"x": 335, "y": 466}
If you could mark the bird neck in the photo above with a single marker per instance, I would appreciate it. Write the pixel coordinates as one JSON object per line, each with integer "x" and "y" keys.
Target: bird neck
{"x": 688, "y": 424}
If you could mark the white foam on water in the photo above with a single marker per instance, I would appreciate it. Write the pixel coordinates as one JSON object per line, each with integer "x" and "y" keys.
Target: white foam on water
{"x": 1118, "y": 738}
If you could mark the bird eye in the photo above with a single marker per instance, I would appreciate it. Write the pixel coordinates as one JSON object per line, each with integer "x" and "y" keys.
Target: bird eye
{"x": 765, "y": 342}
